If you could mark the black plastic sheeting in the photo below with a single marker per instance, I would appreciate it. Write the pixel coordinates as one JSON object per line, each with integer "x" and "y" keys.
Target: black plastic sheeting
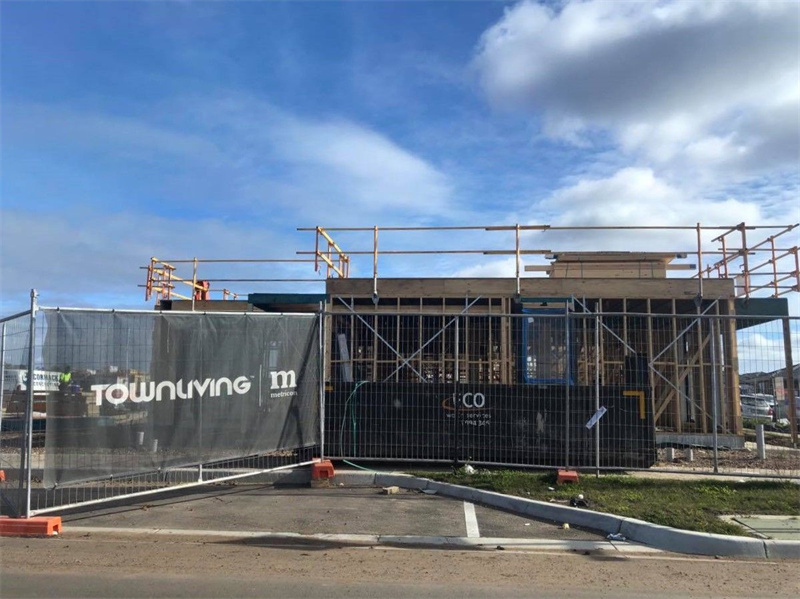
{"x": 150, "y": 392}
{"x": 536, "y": 425}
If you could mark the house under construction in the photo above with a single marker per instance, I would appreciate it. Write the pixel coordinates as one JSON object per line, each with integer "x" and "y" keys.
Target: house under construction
{"x": 572, "y": 318}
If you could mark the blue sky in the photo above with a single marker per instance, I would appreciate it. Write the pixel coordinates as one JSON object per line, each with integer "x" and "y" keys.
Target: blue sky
{"x": 180, "y": 129}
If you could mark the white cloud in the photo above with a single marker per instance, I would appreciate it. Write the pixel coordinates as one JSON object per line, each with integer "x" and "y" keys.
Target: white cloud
{"x": 490, "y": 269}
{"x": 337, "y": 168}
{"x": 244, "y": 153}
{"x": 261, "y": 172}
{"x": 374, "y": 172}
{"x": 636, "y": 196}
{"x": 85, "y": 258}
{"x": 34, "y": 125}
{"x": 717, "y": 80}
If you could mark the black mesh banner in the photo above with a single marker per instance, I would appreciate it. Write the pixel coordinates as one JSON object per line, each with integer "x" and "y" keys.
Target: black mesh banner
{"x": 141, "y": 392}
{"x": 537, "y": 425}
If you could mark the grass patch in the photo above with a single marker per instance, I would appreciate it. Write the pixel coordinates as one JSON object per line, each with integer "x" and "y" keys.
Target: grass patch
{"x": 687, "y": 504}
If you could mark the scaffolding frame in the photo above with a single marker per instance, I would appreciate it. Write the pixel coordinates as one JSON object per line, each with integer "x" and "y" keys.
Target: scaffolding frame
{"x": 778, "y": 272}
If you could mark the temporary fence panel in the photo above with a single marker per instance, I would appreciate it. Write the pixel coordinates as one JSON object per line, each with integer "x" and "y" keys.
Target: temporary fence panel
{"x": 17, "y": 413}
{"x": 766, "y": 352}
{"x": 667, "y": 391}
{"x": 137, "y": 402}
{"x": 450, "y": 397}
{"x": 489, "y": 424}
{"x": 148, "y": 401}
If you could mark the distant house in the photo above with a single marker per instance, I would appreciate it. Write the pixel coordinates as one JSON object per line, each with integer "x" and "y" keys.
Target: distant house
{"x": 770, "y": 383}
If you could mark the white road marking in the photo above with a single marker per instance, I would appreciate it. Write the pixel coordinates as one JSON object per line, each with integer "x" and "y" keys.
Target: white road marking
{"x": 472, "y": 521}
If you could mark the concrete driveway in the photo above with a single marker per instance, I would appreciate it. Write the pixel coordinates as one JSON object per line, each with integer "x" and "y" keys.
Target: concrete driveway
{"x": 306, "y": 511}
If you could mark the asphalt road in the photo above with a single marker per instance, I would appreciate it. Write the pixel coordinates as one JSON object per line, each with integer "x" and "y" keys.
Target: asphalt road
{"x": 216, "y": 547}
{"x": 128, "y": 567}
{"x": 76, "y": 586}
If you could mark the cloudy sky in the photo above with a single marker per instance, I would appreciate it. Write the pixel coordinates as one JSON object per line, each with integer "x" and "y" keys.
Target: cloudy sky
{"x": 180, "y": 129}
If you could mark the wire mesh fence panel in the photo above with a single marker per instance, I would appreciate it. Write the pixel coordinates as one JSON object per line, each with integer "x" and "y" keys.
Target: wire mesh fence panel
{"x": 709, "y": 379}
{"x": 766, "y": 379}
{"x": 693, "y": 379}
{"x": 493, "y": 389}
{"x": 519, "y": 418}
{"x": 15, "y": 415}
{"x": 148, "y": 401}
{"x": 610, "y": 392}
{"x": 390, "y": 377}
{"x": 557, "y": 387}
{"x": 141, "y": 402}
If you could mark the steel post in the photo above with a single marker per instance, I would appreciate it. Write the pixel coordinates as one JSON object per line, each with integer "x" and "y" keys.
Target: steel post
{"x": 29, "y": 406}
{"x": 714, "y": 393}
{"x": 2, "y": 370}
{"x": 790, "y": 389}
{"x": 597, "y": 395}
{"x": 760, "y": 445}
{"x": 567, "y": 414}
{"x": 457, "y": 401}
{"x": 194, "y": 281}
{"x": 321, "y": 383}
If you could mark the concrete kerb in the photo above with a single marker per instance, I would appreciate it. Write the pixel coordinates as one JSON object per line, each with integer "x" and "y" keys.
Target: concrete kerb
{"x": 291, "y": 538}
{"x": 782, "y": 549}
{"x": 685, "y": 541}
{"x": 639, "y": 531}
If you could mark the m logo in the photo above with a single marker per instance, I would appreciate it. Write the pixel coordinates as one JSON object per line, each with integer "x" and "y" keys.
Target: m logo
{"x": 283, "y": 379}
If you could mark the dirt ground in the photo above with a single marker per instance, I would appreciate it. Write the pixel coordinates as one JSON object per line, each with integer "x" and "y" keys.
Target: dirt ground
{"x": 785, "y": 462}
{"x": 124, "y": 559}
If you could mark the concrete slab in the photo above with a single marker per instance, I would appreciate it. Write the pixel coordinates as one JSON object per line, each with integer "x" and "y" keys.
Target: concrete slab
{"x": 306, "y": 511}
{"x": 497, "y": 523}
{"x": 783, "y": 528}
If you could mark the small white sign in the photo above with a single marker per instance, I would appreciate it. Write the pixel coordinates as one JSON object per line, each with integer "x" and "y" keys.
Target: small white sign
{"x": 596, "y": 418}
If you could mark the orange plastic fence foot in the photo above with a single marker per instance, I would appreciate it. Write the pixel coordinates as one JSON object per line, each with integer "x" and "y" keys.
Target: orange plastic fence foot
{"x": 567, "y": 476}
{"x": 322, "y": 470}
{"x": 39, "y": 526}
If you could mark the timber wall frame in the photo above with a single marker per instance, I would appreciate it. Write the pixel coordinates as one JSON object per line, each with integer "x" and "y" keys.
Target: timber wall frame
{"x": 659, "y": 322}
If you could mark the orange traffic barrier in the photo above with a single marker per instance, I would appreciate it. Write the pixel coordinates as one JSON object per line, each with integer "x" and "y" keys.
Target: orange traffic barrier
{"x": 567, "y": 476}
{"x": 322, "y": 470}
{"x": 2, "y": 476}
{"x": 39, "y": 526}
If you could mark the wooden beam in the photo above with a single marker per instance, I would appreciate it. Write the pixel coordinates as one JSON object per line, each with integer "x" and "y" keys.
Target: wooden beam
{"x": 732, "y": 370}
{"x": 533, "y": 287}
{"x": 675, "y": 377}
{"x": 607, "y": 266}
{"x": 599, "y": 324}
{"x": 681, "y": 377}
{"x": 625, "y": 343}
{"x": 702, "y": 342}
{"x": 662, "y": 257}
{"x": 650, "y": 373}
